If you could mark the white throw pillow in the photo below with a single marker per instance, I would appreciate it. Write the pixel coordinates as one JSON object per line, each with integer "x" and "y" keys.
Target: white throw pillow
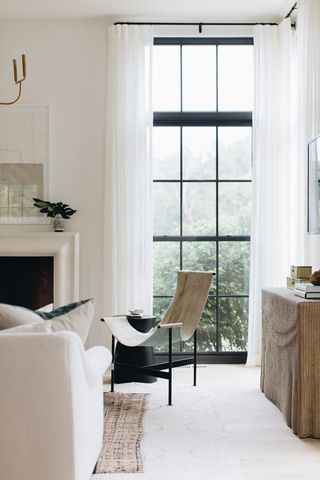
{"x": 11, "y": 316}
{"x": 77, "y": 320}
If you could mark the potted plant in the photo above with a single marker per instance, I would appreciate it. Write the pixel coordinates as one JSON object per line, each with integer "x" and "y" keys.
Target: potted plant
{"x": 58, "y": 211}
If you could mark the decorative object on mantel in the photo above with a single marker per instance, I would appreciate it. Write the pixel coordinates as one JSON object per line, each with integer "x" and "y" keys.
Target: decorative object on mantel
{"x": 58, "y": 211}
{"x": 15, "y": 75}
{"x": 298, "y": 274}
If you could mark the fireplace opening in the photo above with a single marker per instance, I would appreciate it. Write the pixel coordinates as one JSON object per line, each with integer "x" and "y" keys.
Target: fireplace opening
{"x": 26, "y": 281}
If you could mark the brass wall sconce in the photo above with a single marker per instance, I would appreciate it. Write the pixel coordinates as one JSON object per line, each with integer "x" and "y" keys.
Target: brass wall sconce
{"x": 15, "y": 75}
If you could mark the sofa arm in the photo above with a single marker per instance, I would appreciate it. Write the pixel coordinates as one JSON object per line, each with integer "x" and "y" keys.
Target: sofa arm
{"x": 94, "y": 361}
{"x": 100, "y": 358}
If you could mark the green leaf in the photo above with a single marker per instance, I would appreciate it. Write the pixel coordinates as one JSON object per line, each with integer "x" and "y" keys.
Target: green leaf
{"x": 52, "y": 209}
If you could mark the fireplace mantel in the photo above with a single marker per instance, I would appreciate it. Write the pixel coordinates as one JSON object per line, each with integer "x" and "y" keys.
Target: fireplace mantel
{"x": 62, "y": 246}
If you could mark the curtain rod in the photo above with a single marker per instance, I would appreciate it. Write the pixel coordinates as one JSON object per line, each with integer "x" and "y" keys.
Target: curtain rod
{"x": 200, "y": 24}
{"x": 292, "y": 10}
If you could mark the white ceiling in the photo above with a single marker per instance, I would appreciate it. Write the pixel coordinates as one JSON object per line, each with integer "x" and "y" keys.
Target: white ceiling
{"x": 204, "y": 10}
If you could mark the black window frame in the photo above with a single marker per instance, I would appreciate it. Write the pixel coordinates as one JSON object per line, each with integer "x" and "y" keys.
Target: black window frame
{"x": 216, "y": 119}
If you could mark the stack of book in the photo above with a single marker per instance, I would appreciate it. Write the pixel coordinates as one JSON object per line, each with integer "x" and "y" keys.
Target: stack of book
{"x": 307, "y": 290}
{"x": 298, "y": 274}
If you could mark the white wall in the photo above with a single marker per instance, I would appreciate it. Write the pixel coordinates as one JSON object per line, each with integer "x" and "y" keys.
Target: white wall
{"x": 66, "y": 70}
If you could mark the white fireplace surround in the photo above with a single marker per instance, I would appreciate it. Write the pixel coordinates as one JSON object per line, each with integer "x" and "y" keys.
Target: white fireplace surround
{"x": 62, "y": 246}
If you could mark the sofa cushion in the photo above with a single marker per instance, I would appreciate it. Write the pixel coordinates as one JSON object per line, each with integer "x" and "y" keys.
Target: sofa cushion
{"x": 77, "y": 320}
{"x": 57, "y": 312}
{"x": 12, "y": 316}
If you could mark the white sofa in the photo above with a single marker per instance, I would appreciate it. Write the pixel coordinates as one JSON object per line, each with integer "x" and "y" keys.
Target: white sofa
{"x": 51, "y": 406}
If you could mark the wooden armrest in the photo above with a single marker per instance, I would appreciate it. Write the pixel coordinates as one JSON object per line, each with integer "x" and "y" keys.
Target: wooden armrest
{"x": 171, "y": 325}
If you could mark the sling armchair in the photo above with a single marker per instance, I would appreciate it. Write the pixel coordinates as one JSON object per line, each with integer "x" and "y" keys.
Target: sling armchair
{"x": 179, "y": 323}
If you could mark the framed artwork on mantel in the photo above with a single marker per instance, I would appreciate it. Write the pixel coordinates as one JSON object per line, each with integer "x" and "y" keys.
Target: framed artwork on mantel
{"x": 24, "y": 162}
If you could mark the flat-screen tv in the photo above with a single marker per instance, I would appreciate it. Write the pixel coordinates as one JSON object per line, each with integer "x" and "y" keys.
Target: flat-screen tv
{"x": 314, "y": 186}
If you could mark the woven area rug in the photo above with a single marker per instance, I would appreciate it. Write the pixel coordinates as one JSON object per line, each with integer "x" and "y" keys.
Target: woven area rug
{"x": 123, "y": 429}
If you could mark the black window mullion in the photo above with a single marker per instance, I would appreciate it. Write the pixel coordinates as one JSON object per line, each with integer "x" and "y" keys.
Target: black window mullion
{"x": 217, "y": 79}
{"x": 216, "y": 304}
{"x": 181, "y": 172}
{"x": 201, "y": 238}
{"x": 181, "y": 196}
{"x": 240, "y": 180}
{"x": 181, "y": 80}
{"x": 202, "y": 119}
{"x": 217, "y": 240}
{"x": 181, "y": 160}
{"x": 203, "y": 41}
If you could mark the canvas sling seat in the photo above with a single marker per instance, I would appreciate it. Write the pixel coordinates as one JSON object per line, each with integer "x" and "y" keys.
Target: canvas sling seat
{"x": 179, "y": 323}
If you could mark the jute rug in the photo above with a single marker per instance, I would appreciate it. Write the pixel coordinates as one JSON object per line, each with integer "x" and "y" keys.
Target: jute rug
{"x": 123, "y": 429}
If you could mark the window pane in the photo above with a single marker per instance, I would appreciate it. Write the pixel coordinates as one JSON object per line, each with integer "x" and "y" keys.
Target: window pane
{"x": 160, "y": 306}
{"x": 235, "y": 77}
{"x": 166, "y": 209}
{"x": 199, "y": 256}
{"x": 166, "y": 78}
{"x": 166, "y": 263}
{"x": 198, "y": 208}
{"x": 166, "y": 153}
{"x": 207, "y": 330}
{"x": 234, "y": 153}
{"x": 234, "y": 208}
{"x": 234, "y": 261}
{"x": 199, "y": 153}
{"x": 199, "y": 77}
{"x": 233, "y": 324}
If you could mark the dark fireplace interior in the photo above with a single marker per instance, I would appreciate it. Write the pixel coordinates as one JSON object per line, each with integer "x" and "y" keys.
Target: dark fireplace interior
{"x": 26, "y": 281}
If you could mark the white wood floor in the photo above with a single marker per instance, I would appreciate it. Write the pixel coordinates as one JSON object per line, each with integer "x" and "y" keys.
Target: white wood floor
{"x": 223, "y": 429}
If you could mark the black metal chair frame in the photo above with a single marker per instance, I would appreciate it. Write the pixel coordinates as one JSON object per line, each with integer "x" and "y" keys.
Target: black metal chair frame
{"x": 155, "y": 370}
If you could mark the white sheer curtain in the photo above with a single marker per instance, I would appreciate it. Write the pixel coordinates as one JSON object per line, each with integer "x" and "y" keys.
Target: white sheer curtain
{"x": 128, "y": 221}
{"x": 308, "y": 36}
{"x": 273, "y": 241}
{"x": 308, "y": 33}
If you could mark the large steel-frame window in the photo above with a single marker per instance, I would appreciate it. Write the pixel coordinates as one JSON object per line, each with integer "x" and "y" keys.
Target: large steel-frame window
{"x": 212, "y": 234}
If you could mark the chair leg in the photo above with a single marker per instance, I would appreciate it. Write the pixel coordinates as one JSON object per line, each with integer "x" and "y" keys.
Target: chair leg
{"x": 170, "y": 368}
{"x": 113, "y": 362}
{"x": 195, "y": 358}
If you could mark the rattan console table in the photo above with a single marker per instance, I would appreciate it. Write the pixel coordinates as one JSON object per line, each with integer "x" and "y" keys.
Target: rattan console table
{"x": 290, "y": 364}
